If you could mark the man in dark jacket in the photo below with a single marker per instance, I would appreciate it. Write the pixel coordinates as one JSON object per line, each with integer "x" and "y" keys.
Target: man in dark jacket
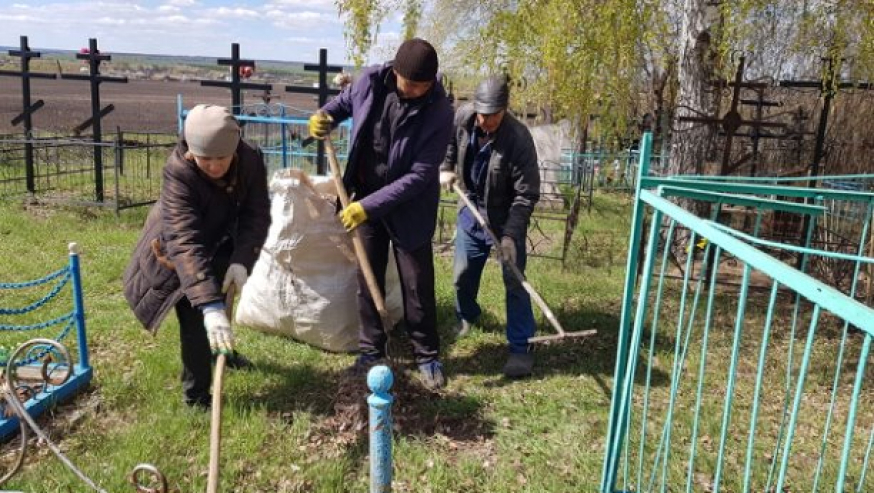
{"x": 401, "y": 123}
{"x": 497, "y": 160}
{"x": 204, "y": 234}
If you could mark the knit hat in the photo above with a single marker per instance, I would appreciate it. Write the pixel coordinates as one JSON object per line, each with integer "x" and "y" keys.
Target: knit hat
{"x": 416, "y": 60}
{"x": 211, "y": 131}
{"x": 491, "y": 96}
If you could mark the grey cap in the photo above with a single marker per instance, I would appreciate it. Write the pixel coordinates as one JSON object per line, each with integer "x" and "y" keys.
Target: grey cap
{"x": 211, "y": 131}
{"x": 491, "y": 96}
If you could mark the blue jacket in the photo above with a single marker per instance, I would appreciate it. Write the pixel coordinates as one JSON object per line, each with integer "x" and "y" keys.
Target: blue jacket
{"x": 408, "y": 202}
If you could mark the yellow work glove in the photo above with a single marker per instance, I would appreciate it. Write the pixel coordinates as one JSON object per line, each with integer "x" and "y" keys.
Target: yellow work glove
{"x": 352, "y": 216}
{"x": 320, "y": 124}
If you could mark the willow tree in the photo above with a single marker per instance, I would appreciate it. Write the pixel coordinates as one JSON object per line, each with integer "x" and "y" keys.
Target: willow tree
{"x": 363, "y": 18}
{"x": 577, "y": 57}
{"x": 361, "y": 27}
{"x": 580, "y": 57}
{"x": 568, "y": 55}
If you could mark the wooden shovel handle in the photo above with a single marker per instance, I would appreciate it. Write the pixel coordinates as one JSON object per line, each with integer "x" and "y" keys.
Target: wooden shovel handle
{"x": 357, "y": 244}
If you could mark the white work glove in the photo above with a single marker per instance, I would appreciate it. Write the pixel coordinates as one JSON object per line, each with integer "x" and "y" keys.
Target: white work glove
{"x": 218, "y": 330}
{"x": 447, "y": 179}
{"x": 508, "y": 249}
{"x": 236, "y": 274}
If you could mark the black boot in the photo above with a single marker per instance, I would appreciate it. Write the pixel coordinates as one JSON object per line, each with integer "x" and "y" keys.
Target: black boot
{"x": 236, "y": 361}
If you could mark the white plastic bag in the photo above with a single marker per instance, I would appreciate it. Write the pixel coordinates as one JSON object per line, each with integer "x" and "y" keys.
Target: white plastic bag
{"x": 304, "y": 284}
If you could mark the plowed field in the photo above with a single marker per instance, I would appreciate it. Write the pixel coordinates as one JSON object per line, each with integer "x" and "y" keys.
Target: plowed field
{"x": 140, "y": 105}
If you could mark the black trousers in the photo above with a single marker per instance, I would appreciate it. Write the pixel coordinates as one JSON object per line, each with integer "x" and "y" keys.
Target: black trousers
{"x": 416, "y": 272}
{"x": 196, "y": 353}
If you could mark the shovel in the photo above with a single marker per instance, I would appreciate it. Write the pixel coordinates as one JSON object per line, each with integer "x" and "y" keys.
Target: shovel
{"x": 358, "y": 245}
{"x": 521, "y": 278}
{"x": 215, "y": 432}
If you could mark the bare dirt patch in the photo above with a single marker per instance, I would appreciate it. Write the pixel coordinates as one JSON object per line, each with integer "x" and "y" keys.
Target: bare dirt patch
{"x": 415, "y": 412}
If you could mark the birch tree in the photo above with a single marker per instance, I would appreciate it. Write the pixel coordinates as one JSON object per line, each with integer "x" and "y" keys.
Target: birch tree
{"x": 697, "y": 64}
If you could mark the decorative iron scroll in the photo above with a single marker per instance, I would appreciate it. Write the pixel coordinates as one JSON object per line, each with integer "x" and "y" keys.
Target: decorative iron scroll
{"x": 57, "y": 367}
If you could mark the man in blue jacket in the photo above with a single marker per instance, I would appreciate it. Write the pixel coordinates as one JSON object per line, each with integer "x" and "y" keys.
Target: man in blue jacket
{"x": 401, "y": 124}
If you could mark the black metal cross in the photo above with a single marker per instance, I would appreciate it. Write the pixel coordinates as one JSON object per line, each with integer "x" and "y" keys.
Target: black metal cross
{"x": 323, "y": 91}
{"x": 235, "y": 83}
{"x": 756, "y": 133}
{"x": 28, "y": 109}
{"x": 829, "y": 89}
{"x": 733, "y": 120}
{"x": 94, "y": 59}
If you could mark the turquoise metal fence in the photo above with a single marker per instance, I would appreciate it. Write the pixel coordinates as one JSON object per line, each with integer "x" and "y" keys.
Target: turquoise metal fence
{"x": 746, "y": 375}
{"x": 604, "y": 170}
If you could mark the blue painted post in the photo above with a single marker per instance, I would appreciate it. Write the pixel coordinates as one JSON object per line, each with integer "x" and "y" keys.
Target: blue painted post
{"x": 379, "y": 380}
{"x": 283, "y": 127}
{"x": 179, "y": 109}
{"x": 79, "y": 306}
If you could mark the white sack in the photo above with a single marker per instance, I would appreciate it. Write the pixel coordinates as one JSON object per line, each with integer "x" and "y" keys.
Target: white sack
{"x": 304, "y": 284}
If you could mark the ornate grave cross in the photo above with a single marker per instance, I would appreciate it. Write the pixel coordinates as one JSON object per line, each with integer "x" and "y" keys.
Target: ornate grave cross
{"x": 756, "y": 133}
{"x": 28, "y": 108}
{"x": 94, "y": 59}
{"x": 732, "y": 120}
{"x": 235, "y": 84}
{"x": 797, "y": 131}
{"x": 323, "y": 91}
{"x": 829, "y": 87}
{"x": 793, "y": 130}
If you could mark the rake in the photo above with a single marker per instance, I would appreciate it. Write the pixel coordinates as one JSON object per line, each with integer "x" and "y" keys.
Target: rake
{"x": 521, "y": 278}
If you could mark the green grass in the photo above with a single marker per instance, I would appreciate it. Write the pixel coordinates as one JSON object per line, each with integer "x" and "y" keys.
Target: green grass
{"x": 513, "y": 436}
{"x": 484, "y": 434}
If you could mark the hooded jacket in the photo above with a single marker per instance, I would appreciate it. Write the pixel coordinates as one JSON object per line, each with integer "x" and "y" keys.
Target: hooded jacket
{"x": 408, "y": 202}
{"x": 194, "y": 217}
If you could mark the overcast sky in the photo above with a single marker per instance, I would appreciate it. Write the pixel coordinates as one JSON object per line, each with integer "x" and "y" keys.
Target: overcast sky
{"x": 291, "y": 30}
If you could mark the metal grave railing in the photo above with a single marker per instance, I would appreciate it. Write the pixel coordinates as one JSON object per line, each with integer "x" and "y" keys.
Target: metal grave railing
{"x": 742, "y": 375}
{"x": 36, "y": 335}
{"x": 279, "y": 131}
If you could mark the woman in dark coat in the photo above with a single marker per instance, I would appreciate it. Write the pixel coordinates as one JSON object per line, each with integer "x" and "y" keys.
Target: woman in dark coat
{"x": 204, "y": 234}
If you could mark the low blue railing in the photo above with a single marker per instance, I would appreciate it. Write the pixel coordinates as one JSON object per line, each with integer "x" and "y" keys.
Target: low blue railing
{"x": 35, "y": 375}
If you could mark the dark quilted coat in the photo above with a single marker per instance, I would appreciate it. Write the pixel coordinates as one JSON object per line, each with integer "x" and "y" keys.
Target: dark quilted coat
{"x": 195, "y": 216}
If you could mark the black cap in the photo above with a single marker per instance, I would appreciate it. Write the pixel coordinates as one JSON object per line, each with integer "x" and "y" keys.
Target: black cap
{"x": 416, "y": 60}
{"x": 491, "y": 96}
